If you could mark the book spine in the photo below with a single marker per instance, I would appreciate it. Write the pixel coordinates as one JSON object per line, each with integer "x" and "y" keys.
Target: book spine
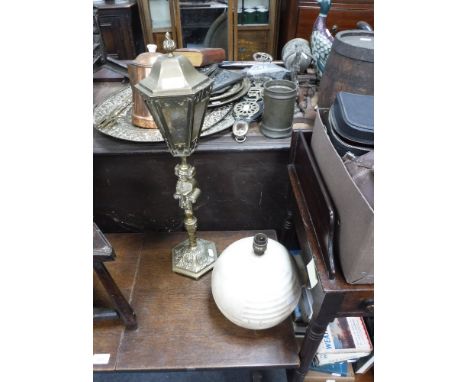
{"x": 211, "y": 56}
{"x": 325, "y": 359}
{"x": 359, "y": 332}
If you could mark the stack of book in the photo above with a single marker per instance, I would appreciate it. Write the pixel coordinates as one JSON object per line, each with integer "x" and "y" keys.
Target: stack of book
{"x": 345, "y": 341}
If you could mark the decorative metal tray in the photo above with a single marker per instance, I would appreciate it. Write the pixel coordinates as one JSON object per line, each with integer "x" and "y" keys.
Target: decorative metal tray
{"x": 242, "y": 92}
{"x": 216, "y": 119}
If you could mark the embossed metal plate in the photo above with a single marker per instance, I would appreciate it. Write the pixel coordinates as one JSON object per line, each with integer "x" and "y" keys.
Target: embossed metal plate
{"x": 122, "y": 128}
{"x": 224, "y": 124}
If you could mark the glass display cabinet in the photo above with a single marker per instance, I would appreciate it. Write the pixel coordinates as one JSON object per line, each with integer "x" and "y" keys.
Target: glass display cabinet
{"x": 253, "y": 12}
{"x": 241, "y": 27}
{"x": 204, "y": 24}
{"x": 255, "y": 28}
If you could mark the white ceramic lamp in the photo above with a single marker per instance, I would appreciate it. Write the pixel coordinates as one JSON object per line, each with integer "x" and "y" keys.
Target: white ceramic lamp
{"x": 254, "y": 282}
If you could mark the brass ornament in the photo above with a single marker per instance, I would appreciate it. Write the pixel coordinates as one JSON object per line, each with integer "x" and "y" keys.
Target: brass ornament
{"x": 193, "y": 257}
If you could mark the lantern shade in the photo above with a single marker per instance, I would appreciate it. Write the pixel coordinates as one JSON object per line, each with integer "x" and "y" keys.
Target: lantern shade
{"x": 177, "y": 96}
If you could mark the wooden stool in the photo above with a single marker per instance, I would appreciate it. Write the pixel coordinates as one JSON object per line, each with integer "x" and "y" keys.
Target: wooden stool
{"x": 102, "y": 252}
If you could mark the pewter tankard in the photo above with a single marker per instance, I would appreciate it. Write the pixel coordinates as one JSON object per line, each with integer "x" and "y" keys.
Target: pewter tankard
{"x": 279, "y": 97}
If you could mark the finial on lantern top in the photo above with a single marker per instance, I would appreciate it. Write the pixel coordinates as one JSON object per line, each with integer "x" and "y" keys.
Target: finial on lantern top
{"x": 169, "y": 44}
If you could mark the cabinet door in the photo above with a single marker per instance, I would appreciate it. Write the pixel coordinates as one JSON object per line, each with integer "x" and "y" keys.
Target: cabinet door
{"x": 204, "y": 24}
{"x": 297, "y": 17}
{"x": 255, "y": 28}
{"x": 342, "y": 16}
{"x": 110, "y": 27}
{"x": 256, "y": 12}
{"x": 157, "y": 17}
{"x": 250, "y": 41}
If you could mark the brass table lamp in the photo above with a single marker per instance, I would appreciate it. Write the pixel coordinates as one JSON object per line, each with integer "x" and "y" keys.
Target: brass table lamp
{"x": 177, "y": 95}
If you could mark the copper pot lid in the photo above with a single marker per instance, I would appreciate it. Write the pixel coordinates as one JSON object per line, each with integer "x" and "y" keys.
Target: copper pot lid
{"x": 147, "y": 59}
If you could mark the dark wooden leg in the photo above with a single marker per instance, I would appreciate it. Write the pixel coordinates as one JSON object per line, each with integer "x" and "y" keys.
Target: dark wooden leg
{"x": 324, "y": 313}
{"x": 126, "y": 313}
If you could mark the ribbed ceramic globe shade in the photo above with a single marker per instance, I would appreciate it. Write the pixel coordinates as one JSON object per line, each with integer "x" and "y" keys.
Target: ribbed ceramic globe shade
{"x": 255, "y": 291}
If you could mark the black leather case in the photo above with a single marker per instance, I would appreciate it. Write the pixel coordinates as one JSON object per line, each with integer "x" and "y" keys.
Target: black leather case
{"x": 354, "y": 118}
{"x": 342, "y": 146}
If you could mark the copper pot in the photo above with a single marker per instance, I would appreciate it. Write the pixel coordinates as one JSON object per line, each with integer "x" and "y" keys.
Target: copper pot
{"x": 138, "y": 70}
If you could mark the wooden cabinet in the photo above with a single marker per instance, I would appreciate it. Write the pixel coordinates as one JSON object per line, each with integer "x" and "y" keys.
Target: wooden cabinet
{"x": 120, "y": 28}
{"x": 213, "y": 23}
{"x": 255, "y": 37}
{"x": 298, "y": 16}
{"x": 251, "y": 40}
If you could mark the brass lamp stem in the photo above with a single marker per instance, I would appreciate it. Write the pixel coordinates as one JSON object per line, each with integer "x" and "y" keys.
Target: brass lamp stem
{"x": 190, "y": 223}
{"x": 187, "y": 193}
{"x": 193, "y": 257}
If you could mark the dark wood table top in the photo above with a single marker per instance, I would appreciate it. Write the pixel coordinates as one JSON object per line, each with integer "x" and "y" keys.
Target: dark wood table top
{"x": 179, "y": 324}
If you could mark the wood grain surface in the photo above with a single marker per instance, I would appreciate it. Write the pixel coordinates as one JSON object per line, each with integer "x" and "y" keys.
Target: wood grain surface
{"x": 179, "y": 324}
{"x": 366, "y": 377}
{"x": 251, "y": 41}
{"x": 297, "y": 17}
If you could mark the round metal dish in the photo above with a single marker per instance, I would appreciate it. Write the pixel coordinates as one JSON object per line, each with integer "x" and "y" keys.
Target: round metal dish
{"x": 241, "y": 93}
{"x": 224, "y": 124}
{"x": 122, "y": 127}
{"x": 222, "y": 90}
{"x": 234, "y": 89}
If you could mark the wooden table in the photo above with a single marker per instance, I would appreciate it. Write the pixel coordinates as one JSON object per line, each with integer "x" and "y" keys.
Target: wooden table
{"x": 332, "y": 297}
{"x": 179, "y": 324}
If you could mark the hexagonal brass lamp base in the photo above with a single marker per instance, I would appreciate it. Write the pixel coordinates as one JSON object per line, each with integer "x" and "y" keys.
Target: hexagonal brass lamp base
{"x": 194, "y": 262}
